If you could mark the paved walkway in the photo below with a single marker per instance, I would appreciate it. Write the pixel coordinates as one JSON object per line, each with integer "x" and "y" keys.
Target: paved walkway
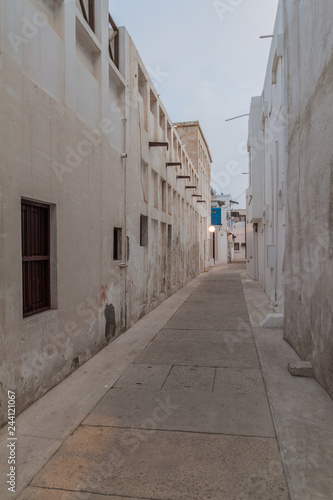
{"x": 177, "y": 408}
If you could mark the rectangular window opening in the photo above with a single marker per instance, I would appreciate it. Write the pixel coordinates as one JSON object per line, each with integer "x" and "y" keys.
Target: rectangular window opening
{"x": 169, "y": 134}
{"x": 87, "y": 8}
{"x": 144, "y": 181}
{"x": 153, "y": 104}
{"x": 162, "y": 120}
{"x": 117, "y": 243}
{"x": 36, "y": 286}
{"x": 154, "y": 178}
{"x": 143, "y": 91}
{"x": 169, "y": 235}
{"x": 143, "y": 230}
{"x": 236, "y": 247}
{"x": 164, "y": 195}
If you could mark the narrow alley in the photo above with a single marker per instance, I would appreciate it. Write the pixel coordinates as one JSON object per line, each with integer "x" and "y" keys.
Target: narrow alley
{"x": 183, "y": 410}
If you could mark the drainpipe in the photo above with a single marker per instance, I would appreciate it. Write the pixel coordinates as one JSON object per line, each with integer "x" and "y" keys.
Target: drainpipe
{"x": 276, "y": 209}
{"x": 124, "y": 161}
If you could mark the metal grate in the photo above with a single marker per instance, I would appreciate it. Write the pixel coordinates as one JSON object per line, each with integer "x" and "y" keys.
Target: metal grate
{"x": 35, "y": 257}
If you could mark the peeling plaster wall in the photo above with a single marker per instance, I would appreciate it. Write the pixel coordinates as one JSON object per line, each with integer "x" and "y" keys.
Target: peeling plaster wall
{"x": 308, "y": 43}
{"x": 70, "y": 117}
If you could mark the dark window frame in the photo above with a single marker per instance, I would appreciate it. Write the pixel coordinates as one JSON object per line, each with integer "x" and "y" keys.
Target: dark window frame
{"x": 117, "y": 243}
{"x": 169, "y": 235}
{"x": 143, "y": 230}
{"x": 36, "y": 257}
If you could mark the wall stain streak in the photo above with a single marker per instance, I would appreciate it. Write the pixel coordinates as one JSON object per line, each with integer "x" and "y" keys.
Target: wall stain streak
{"x": 110, "y": 326}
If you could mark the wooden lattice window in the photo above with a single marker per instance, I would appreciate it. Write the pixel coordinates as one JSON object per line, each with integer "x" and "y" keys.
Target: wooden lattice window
{"x": 87, "y": 8}
{"x": 35, "y": 257}
{"x": 113, "y": 41}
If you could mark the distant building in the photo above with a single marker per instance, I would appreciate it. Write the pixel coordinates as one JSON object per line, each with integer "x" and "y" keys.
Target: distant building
{"x": 224, "y": 222}
{"x": 239, "y": 219}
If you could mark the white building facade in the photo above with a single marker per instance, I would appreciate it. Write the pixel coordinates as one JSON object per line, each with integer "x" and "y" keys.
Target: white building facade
{"x": 265, "y": 196}
{"x": 239, "y": 224}
{"x": 309, "y": 242}
{"x": 97, "y": 226}
{"x": 289, "y": 200}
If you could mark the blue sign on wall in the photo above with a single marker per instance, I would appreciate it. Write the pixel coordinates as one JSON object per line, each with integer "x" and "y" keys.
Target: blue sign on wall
{"x": 216, "y": 216}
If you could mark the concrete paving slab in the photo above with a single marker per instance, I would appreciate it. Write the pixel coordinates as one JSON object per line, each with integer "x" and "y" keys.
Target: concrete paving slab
{"x": 207, "y": 324}
{"x": 205, "y": 336}
{"x": 207, "y": 291}
{"x": 209, "y": 321}
{"x": 185, "y": 410}
{"x": 200, "y": 307}
{"x": 32, "y": 493}
{"x": 144, "y": 376}
{"x": 164, "y": 465}
{"x": 223, "y": 277}
{"x": 190, "y": 377}
{"x": 231, "y": 354}
{"x": 32, "y": 452}
{"x": 239, "y": 380}
{"x": 217, "y": 309}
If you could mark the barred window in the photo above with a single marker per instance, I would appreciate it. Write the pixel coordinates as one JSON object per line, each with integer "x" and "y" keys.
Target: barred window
{"x": 35, "y": 257}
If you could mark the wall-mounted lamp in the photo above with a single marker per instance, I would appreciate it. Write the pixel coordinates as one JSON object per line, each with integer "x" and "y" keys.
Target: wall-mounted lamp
{"x": 212, "y": 229}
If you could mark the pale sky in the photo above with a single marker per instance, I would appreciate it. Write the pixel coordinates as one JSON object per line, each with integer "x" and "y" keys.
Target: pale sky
{"x": 206, "y": 60}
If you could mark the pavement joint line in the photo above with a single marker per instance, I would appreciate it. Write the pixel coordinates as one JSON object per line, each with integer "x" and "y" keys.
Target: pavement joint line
{"x": 201, "y": 330}
{"x": 92, "y": 493}
{"x": 245, "y": 436}
{"x": 203, "y": 340}
{"x": 166, "y": 376}
{"x": 215, "y": 373}
{"x": 197, "y": 366}
{"x": 23, "y": 434}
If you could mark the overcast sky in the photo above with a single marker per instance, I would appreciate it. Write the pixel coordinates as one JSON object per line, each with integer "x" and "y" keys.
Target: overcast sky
{"x": 206, "y": 60}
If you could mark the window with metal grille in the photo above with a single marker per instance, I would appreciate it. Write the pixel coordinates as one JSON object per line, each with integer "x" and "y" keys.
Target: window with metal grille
{"x": 35, "y": 257}
{"x": 236, "y": 246}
